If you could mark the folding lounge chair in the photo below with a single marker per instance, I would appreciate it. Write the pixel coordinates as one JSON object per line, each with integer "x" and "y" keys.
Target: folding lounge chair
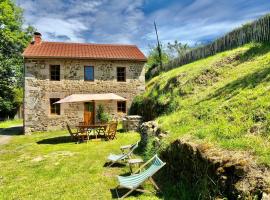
{"x": 127, "y": 147}
{"x": 132, "y": 182}
{"x": 113, "y": 158}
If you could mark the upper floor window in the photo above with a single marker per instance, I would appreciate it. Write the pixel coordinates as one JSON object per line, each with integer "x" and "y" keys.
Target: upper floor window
{"x": 55, "y": 72}
{"x": 54, "y": 107}
{"x": 89, "y": 73}
{"x": 121, "y": 74}
{"x": 121, "y": 106}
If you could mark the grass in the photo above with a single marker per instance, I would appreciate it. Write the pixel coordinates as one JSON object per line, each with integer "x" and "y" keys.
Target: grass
{"x": 222, "y": 100}
{"x": 48, "y": 166}
{"x": 9, "y": 123}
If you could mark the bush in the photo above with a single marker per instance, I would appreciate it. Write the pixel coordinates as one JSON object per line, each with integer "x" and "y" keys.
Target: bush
{"x": 102, "y": 116}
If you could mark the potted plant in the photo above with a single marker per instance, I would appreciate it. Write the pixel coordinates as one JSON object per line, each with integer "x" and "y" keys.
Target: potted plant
{"x": 102, "y": 116}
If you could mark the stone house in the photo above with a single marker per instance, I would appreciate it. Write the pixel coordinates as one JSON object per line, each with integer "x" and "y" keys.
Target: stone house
{"x": 104, "y": 74}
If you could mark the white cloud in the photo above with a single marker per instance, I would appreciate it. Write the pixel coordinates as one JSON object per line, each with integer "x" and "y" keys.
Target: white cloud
{"x": 58, "y": 27}
{"x": 126, "y": 21}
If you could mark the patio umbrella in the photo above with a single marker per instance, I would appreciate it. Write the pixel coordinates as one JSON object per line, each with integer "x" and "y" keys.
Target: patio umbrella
{"x": 91, "y": 97}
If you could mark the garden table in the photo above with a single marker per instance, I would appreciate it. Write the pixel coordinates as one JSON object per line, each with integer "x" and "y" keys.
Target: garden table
{"x": 134, "y": 161}
{"x": 97, "y": 129}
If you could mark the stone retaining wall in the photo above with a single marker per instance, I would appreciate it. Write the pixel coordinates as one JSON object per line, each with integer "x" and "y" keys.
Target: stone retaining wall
{"x": 132, "y": 123}
{"x": 219, "y": 173}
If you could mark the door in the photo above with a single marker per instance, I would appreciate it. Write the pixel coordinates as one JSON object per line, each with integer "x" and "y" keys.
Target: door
{"x": 89, "y": 112}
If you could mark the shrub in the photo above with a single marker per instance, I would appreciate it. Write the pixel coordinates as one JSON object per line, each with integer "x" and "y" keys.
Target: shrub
{"x": 102, "y": 116}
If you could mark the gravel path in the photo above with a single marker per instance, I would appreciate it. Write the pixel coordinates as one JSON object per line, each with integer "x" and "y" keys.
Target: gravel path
{"x": 4, "y": 139}
{"x": 7, "y": 133}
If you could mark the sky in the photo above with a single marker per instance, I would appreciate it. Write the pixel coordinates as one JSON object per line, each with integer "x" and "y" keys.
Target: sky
{"x": 131, "y": 21}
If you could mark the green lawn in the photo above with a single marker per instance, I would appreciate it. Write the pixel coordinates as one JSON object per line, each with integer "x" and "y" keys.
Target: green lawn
{"x": 9, "y": 123}
{"x": 49, "y": 166}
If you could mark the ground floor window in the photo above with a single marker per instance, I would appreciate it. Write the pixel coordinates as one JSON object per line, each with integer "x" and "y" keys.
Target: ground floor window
{"x": 121, "y": 106}
{"x": 54, "y": 107}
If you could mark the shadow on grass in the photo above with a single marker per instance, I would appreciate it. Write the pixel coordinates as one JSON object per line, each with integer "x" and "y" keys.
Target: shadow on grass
{"x": 66, "y": 139}
{"x": 255, "y": 51}
{"x": 15, "y": 130}
{"x": 114, "y": 165}
{"x": 123, "y": 191}
{"x": 56, "y": 140}
{"x": 121, "y": 130}
{"x": 249, "y": 81}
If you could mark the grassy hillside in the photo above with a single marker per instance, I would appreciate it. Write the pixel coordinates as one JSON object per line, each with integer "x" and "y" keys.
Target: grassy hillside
{"x": 223, "y": 100}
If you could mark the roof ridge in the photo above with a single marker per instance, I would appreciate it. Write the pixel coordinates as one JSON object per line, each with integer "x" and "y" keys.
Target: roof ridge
{"x": 97, "y": 44}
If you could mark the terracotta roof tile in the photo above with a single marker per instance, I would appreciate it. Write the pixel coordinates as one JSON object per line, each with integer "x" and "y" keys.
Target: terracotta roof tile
{"x": 84, "y": 51}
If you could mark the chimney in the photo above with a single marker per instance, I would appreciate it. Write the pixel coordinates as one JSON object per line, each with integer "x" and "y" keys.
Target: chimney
{"x": 37, "y": 38}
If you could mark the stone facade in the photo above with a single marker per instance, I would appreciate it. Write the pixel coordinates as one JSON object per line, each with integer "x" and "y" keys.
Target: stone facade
{"x": 39, "y": 89}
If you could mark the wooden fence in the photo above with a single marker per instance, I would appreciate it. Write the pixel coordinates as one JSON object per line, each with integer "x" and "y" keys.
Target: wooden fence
{"x": 257, "y": 31}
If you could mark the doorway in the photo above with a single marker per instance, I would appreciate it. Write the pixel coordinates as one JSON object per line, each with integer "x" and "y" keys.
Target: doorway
{"x": 89, "y": 112}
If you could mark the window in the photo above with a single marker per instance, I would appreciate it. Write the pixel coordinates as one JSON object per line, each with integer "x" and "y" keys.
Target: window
{"x": 121, "y": 106}
{"x": 55, "y": 107}
{"x": 55, "y": 72}
{"x": 121, "y": 74}
{"x": 89, "y": 73}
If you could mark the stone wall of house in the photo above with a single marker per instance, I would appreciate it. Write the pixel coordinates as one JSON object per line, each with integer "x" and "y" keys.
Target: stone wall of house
{"x": 39, "y": 89}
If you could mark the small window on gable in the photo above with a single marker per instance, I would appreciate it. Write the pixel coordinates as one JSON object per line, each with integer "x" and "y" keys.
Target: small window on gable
{"x": 55, "y": 107}
{"x": 121, "y": 74}
{"x": 121, "y": 106}
{"x": 89, "y": 73}
{"x": 55, "y": 72}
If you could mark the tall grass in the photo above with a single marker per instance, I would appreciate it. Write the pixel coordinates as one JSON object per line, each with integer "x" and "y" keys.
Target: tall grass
{"x": 223, "y": 99}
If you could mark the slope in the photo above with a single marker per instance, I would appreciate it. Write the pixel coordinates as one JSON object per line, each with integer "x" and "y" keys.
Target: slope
{"x": 223, "y": 100}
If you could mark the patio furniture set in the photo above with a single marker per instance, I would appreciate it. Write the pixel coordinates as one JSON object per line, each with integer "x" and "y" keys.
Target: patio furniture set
{"x": 145, "y": 171}
{"x": 137, "y": 178}
{"x": 98, "y": 131}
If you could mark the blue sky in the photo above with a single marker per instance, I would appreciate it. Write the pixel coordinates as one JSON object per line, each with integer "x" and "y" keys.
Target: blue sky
{"x": 131, "y": 21}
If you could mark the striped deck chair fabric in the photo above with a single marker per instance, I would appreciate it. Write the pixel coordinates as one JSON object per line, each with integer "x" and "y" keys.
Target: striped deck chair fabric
{"x": 113, "y": 158}
{"x": 132, "y": 182}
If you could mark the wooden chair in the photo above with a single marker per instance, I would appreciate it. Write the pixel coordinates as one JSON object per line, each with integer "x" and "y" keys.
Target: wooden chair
{"x": 77, "y": 135}
{"x": 110, "y": 133}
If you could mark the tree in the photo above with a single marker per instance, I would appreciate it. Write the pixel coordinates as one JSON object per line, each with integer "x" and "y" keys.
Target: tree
{"x": 13, "y": 39}
{"x": 177, "y": 49}
{"x": 153, "y": 60}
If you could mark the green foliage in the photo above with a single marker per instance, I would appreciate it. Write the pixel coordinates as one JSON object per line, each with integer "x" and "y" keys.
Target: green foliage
{"x": 177, "y": 49}
{"x": 153, "y": 60}
{"x": 102, "y": 116}
{"x": 223, "y": 99}
{"x": 14, "y": 39}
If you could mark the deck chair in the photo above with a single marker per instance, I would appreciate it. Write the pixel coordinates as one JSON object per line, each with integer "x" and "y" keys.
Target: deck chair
{"x": 113, "y": 158}
{"x": 126, "y": 147}
{"x": 111, "y": 131}
{"x": 132, "y": 182}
